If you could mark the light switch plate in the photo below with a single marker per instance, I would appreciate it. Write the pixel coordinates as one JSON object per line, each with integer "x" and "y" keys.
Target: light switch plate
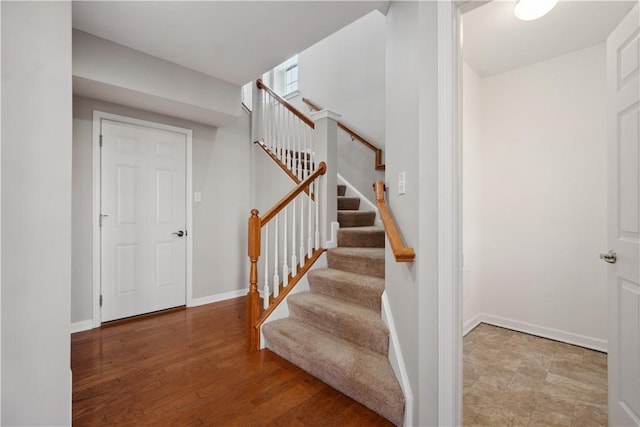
{"x": 197, "y": 196}
{"x": 402, "y": 183}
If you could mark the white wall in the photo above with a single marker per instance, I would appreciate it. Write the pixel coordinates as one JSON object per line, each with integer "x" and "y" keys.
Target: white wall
{"x": 36, "y": 213}
{"x": 115, "y": 73}
{"x": 0, "y": 227}
{"x": 345, "y": 73}
{"x": 543, "y": 197}
{"x": 221, "y": 158}
{"x": 410, "y": 130}
{"x": 472, "y": 196}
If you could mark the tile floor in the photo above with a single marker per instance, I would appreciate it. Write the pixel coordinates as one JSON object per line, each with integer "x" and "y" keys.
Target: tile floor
{"x": 515, "y": 379}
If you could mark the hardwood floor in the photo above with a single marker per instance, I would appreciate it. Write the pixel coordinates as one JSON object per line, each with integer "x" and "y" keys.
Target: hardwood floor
{"x": 192, "y": 367}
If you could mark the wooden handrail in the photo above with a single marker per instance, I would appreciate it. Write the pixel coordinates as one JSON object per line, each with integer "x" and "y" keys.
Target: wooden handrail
{"x": 322, "y": 169}
{"x": 284, "y": 102}
{"x": 282, "y": 166}
{"x": 401, "y": 252}
{"x": 355, "y": 135}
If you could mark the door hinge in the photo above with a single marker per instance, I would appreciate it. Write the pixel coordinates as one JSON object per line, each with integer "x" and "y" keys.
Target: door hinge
{"x": 101, "y": 141}
{"x": 100, "y": 300}
{"x": 100, "y": 218}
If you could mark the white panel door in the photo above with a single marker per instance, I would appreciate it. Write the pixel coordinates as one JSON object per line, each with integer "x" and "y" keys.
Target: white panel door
{"x": 143, "y": 208}
{"x": 623, "y": 66}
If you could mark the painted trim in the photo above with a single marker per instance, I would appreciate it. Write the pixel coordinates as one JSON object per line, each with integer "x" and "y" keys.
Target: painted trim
{"x": 82, "y": 326}
{"x": 335, "y": 226}
{"x": 195, "y": 302}
{"x": 363, "y": 199}
{"x": 471, "y": 324}
{"x": 449, "y": 217}
{"x": 397, "y": 360}
{"x": 96, "y": 188}
{"x": 545, "y": 332}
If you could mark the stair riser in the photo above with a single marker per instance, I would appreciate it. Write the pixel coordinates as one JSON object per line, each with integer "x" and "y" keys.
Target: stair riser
{"x": 371, "y": 335}
{"x": 354, "y": 264}
{"x": 368, "y": 297}
{"x": 348, "y": 203}
{"x": 355, "y": 239}
{"x": 356, "y": 218}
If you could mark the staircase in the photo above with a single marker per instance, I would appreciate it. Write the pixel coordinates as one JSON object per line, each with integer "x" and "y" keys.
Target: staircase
{"x": 335, "y": 331}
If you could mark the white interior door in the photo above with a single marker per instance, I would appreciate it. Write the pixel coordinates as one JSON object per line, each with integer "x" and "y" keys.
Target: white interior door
{"x": 623, "y": 63}
{"x": 143, "y": 207}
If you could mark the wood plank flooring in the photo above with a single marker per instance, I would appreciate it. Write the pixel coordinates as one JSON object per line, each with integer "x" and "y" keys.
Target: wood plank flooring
{"x": 192, "y": 367}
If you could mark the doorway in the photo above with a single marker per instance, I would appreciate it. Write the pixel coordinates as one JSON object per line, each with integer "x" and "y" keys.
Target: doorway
{"x": 142, "y": 217}
{"x": 542, "y": 170}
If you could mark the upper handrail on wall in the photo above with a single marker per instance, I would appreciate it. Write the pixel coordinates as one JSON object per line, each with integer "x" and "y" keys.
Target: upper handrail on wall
{"x": 401, "y": 252}
{"x": 355, "y": 135}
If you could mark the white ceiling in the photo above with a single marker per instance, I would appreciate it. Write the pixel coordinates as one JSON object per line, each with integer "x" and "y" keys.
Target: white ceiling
{"x": 495, "y": 41}
{"x": 235, "y": 41}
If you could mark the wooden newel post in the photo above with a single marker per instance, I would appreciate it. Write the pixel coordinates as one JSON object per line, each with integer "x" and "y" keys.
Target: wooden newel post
{"x": 253, "y": 297}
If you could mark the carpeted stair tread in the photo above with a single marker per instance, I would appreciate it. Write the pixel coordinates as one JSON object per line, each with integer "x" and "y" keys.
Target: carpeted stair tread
{"x": 354, "y": 323}
{"x": 361, "y": 374}
{"x": 342, "y": 189}
{"x": 348, "y": 203}
{"x": 356, "y": 288}
{"x": 367, "y": 261}
{"x": 355, "y": 218}
{"x": 368, "y": 237}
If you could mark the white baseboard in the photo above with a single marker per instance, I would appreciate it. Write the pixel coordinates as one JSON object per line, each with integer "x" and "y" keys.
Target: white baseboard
{"x": 471, "y": 324}
{"x": 544, "y": 332}
{"x": 84, "y": 325}
{"x": 217, "y": 297}
{"x": 397, "y": 360}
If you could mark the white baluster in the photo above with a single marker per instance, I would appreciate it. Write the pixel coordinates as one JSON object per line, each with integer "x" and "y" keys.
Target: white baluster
{"x": 272, "y": 116}
{"x": 289, "y": 154}
{"x": 298, "y": 147}
{"x": 310, "y": 215}
{"x": 285, "y": 240}
{"x": 283, "y": 127}
{"x": 263, "y": 118}
{"x": 316, "y": 192}
{"x": 265, "y": 301}
{"x": 276, "y": 277}
{"x": 268, "y": 120}
{"x": 280, "y": 138}
{"x": 274, "y": 125}
{"x": 302, "y": 252}
{"x": 294, "y": 259}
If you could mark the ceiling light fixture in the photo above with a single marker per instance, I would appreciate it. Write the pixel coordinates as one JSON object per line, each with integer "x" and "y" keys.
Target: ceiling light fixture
{"x": 528, "y": 10}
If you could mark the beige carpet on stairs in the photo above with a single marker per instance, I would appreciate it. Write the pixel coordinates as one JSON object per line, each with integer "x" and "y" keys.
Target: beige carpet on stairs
{"x": 335, "y": 331}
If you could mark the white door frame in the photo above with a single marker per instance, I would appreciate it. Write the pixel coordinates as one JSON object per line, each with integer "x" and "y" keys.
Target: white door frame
{"x": 97, "y": 118}
{"x": 449, "y": 214}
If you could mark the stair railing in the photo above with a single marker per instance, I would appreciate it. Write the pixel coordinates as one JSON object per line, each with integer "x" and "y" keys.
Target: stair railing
{"x": 275, "y": 236}
{"x": 285, "y": 134}
{"x": 354, "y": 136}
{"x": 401, "y": 252}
